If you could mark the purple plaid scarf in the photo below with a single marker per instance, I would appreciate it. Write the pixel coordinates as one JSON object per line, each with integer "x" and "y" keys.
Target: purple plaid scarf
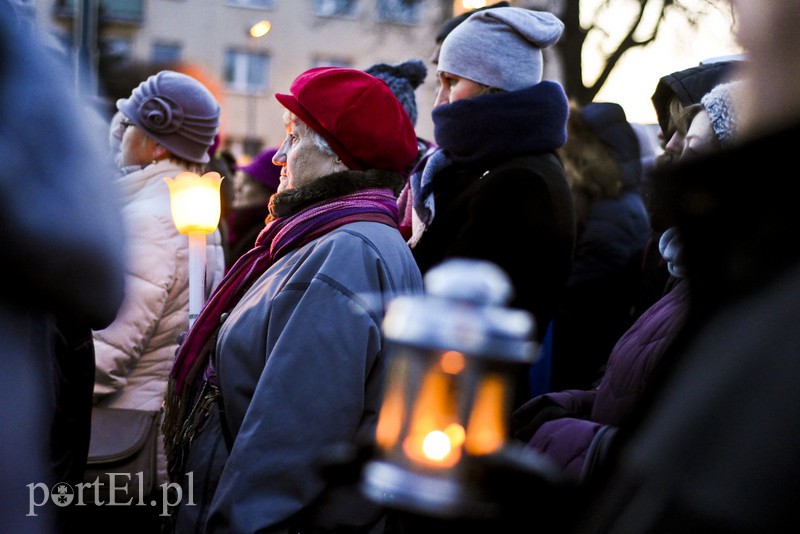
{"x": 279, "y": 236}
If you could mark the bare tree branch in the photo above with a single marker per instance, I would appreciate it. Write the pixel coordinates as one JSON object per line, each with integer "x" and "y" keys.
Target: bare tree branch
{"x": 637, "y": 34}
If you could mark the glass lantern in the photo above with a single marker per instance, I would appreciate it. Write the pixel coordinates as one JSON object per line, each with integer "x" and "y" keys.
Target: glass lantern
{"x": 455, "y": 355}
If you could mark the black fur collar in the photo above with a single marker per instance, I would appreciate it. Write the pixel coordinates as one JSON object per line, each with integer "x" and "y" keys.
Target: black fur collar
{"x": 332, "y": 186}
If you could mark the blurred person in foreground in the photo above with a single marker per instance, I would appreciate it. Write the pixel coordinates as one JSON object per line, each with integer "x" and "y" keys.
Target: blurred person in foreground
{"x": 714, "y": 449}
{"x": 62, "y": 245}
{"x": 286, "y": 359}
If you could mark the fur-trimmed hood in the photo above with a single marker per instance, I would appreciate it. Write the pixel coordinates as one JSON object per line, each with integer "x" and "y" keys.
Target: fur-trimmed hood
{"x": 332, "y": 186}
{"x": 688, "y": 86}
{"x": 604, "y": 149}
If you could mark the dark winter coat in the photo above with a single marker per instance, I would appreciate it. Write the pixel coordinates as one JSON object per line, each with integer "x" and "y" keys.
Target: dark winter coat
{"x": 568, "y": 425}
{"x": 62, "y": 246}
{"x": 602, "y": 159}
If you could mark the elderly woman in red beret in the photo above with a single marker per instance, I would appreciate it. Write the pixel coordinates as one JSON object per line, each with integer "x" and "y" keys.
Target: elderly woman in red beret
{"x": 286, "y": 359}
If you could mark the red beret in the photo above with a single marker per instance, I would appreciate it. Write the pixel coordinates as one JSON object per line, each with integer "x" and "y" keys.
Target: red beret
{"x": 357, "y": 114}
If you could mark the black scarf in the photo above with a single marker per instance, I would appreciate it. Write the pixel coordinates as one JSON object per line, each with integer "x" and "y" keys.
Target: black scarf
{"x": 491, "y": 128}
{"x": 503, "y": 125}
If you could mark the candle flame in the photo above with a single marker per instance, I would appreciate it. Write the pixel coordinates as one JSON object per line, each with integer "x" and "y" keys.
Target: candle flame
{"x": 486, "y": 426}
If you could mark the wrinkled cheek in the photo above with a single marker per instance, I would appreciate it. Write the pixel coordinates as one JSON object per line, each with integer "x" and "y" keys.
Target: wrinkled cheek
{"x": 298, "y": 169}
{"x": 286, "y": 184}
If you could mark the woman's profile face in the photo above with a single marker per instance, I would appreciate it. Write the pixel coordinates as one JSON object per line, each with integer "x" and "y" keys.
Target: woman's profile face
{"x": 453, "y": 88}
{"x": 301, "y": 160}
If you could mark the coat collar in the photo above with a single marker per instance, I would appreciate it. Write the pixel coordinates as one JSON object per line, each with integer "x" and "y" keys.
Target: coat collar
{"x": 332, "y": 186}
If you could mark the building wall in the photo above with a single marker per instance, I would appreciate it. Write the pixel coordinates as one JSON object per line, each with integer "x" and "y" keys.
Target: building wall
{"x": 298, "y": 40}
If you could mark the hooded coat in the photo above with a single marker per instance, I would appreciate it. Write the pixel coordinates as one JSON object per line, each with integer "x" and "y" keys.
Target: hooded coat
{"x": 603, "y": 163}
{"x": 688, "y": 86}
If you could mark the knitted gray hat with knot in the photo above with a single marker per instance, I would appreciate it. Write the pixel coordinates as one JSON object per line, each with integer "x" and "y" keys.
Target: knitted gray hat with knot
{"x": 718, "y": 103}
{"x": 500, "y": 47}
{"x": 177, "y": 111}
{"x": 402, "y": 79}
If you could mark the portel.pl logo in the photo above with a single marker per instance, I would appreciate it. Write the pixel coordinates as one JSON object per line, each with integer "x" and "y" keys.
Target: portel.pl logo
{"x": 63, "y": 494}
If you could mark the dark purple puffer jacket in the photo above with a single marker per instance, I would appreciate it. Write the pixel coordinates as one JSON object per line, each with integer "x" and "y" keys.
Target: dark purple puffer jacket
{"x": 574, "y": 419}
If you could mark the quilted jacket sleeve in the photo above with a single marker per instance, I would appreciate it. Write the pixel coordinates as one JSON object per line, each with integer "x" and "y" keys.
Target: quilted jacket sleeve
{"x": 567, "y": 441}
{"x": 542, "y": 408}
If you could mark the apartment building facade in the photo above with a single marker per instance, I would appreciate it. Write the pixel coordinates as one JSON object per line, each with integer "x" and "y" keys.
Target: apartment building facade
{"x": 213, "y": 38}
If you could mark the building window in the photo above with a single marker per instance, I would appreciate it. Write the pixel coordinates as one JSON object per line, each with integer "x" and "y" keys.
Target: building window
{"x": 257, "y": 4}
{"x": 331, "y": 62}
{"x": 116, "y": 47}
{"x": 121, "y": 11}
{"x": 246, "y": 72}
{"x": 166, "y": 53}
{"x": 399, "y": 11}
{"x": 335, "y": 8}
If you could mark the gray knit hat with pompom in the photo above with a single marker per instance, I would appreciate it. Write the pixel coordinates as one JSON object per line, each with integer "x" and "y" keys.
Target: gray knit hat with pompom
{"x": 402, "y": 79}
{"x": 718, "y": 103}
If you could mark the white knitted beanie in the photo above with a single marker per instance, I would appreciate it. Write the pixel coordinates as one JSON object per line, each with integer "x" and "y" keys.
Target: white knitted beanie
{"x": 500, "y": 47}
{"x": 718, "y": 103}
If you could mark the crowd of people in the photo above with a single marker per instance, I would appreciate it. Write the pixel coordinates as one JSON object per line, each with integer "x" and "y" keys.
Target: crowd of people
{"x": 661, "y": 288}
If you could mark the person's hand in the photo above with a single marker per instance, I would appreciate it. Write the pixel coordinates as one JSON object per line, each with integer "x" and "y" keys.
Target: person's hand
{"x": 180, "y": 339}
{"x": 533, "y": 414}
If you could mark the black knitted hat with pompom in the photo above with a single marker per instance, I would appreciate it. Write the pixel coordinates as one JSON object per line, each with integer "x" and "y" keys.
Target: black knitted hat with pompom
{"x": 402, "y": 79}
